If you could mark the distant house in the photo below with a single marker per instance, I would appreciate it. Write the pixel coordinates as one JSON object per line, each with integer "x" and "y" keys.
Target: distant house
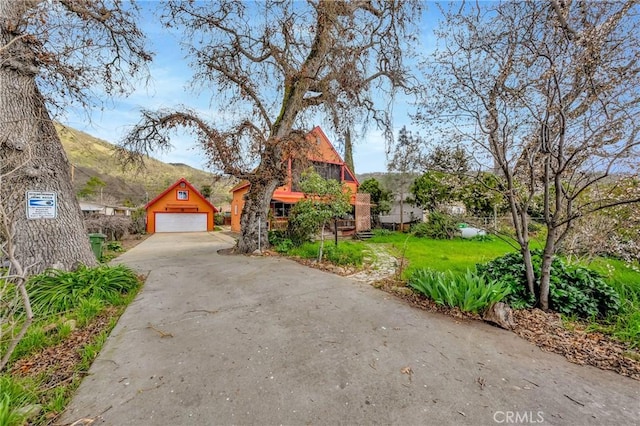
{"x": 180, "y": 208}
{"x": 327, "y": 163}
{"x": 96, "y": 208}
{"x": 410, "y": 215}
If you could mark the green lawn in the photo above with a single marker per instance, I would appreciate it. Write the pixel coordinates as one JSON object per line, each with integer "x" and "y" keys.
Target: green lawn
{"x": 455, "y": 255}
{"x": 458, "y": 255}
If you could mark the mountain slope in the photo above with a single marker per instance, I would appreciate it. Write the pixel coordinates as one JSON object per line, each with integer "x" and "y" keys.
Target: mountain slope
{"x": 92, "y": 157}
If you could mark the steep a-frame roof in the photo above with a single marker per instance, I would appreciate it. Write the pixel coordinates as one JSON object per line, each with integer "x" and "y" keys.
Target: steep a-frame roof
{"x": 187, "y": 185}
{"x": 325, "y": 152}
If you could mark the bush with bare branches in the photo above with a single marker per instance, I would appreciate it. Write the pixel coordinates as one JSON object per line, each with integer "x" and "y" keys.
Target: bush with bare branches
{"x": 114, "y": 227}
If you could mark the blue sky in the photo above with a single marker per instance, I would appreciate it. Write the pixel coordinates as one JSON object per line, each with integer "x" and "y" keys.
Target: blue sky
{"x": 167, "y": 87}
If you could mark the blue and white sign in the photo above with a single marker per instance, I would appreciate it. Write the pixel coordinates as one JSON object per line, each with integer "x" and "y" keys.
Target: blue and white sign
{"x": 41, "y": 205}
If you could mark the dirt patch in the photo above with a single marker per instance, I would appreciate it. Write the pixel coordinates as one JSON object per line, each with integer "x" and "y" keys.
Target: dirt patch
{"x": 130, "y": 241}
{"x": 576, "y": 343}
{"x": 328, "y": 267}
{"x": 59, "y": 362}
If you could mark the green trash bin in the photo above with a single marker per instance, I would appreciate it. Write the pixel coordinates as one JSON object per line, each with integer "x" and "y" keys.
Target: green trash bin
{"x": 97, "y": 242}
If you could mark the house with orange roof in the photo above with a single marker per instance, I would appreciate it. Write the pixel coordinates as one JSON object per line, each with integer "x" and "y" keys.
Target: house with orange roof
{"x": 180, "y": 208}
{"x": 324, "y": 159}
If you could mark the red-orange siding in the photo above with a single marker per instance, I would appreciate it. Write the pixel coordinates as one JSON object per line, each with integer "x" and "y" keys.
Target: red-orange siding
{"x": 181, "y": 197}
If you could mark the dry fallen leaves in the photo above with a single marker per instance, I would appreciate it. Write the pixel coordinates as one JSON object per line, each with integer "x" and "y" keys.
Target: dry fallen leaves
{"x": 408, "y": 371}
{"x": 547, "y": 331}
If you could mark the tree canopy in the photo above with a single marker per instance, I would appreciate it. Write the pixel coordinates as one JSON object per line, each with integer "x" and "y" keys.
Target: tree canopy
{"x": 548, "y": 93}
{"x": 380, "y": 197}
{"x": 325, "y": 199}
{"x": 272, "y": 67}
{"x": 54, "y": 54}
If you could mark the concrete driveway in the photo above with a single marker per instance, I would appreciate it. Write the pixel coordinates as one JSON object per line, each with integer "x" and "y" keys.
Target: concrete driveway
{"x": 215, "y": 339}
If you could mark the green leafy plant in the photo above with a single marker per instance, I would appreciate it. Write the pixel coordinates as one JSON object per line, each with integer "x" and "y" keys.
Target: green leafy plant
{"x": 573, "y": 289}
{"x": 88, "y": 309}
{"x": 283, "y": 246}
{"x": 347, "y": 253}
{"x": 469, "y": 292}
{"x": 58, "y": 291}
{"x": 114, "y": 246}
{"x": 439, "y": 227}
{"x": 344, "y": 254}
{"x": 280, "y": 241}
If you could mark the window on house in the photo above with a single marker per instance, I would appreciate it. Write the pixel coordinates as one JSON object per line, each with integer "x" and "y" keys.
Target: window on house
{"x": 183, "y": 195}
{"x": 348, "y": 177}
{"x": 325, "y": 170}
{"x": 281, "y": 209}
{"x": 328, "y": 170}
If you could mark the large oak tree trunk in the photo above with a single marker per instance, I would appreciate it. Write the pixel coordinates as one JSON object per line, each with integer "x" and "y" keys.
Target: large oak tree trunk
{"x": 32, "y": 159}
{"x": 253, "y": 222}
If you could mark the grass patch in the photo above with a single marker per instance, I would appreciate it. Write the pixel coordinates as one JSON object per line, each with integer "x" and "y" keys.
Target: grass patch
{"x": 97, "y": 297}
{"x": 456, "y": 255}
{"x": 89, "y": 352}
{"x": 15, "y": 395}
{"x": 346, "y": 253}
{"x": 625, "y": 279}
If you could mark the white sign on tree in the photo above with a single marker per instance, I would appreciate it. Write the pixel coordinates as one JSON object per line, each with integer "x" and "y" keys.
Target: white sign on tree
{"x": 41, "y": 205}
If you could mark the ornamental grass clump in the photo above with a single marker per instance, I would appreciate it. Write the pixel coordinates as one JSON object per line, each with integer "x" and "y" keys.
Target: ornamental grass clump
{"x": 56, "y": 291}
{"x": 469, "y": 291}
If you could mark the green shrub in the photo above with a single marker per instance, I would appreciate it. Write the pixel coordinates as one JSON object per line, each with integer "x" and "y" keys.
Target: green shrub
{"x": 439, "y": 227}
{"x": 58, "y": 291}
{"x": 381, "y": 232}
{"x": 510, "y": 271}
{"x": 345, "y": 253}
{"x": 303, "y": 224}
{"x": 277, "y": 236}
{"x": 573, "y": 289}
{"x": 283, "y": 246}
{"x": 114, "y": 246}
{"x": 280, "y": 241}
{"x": 469, "y": 292}
{"x": 218, "y": 219}
{"x": 421, "y": 230}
